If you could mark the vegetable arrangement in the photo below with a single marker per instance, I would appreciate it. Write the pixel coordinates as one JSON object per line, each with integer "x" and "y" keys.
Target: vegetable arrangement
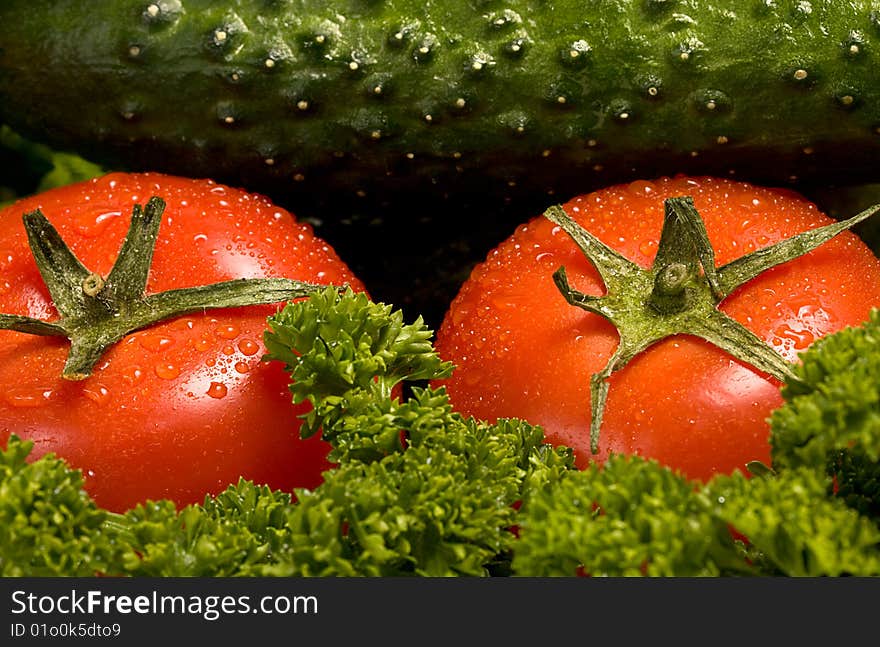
{"x": 672, "y": 376}
{"x": 431, "y": 118}
{"x": 464, "y": 497}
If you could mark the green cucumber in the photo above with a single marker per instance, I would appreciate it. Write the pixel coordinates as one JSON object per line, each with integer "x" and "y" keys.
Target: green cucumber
{"x": 323, "y": 99}
{"x": 384, "y": 108}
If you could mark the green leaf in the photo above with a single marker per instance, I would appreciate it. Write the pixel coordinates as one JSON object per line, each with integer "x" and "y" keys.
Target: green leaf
{"x": 838, "y": 402}
{"x": 795, "y": 528}
{"x": 632, "y": 517}
{"x": 48, "y": 524}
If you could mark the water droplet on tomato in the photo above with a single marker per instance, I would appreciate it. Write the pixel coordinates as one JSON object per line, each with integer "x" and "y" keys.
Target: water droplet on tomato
{"x": 91, "y": 224}
{"x": 471, "y": 378}
{"x": 202, "y": 344}
{"x": 814, "y": 314}
{"x": 799, "y": 338}
{"x": 27, "y": 397}
{"x": 248, "y": 347}
{"x": 504, "y": 303}
{"x": 217, "y": 390}
{"x": 228, "y": 350}
{"x": 210, "y": 362}
{"x": 641, "y": 188}
{"x": 155, "y": 343}
{"x": 230, "y": 331}
{"x": 133, "y": 374}
{"x": 460, "y": 313}
{"x": 97, "y": 393}
{"x": 166, "y": 371}
{"x": 242, "y": 367}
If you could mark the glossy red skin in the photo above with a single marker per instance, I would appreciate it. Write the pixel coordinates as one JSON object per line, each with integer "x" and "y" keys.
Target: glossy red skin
{"x": 185, "y": 407}
{"x": 522, "y": 351}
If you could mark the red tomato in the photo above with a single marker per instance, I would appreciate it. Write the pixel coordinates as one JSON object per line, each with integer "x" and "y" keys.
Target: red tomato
{"x": 522, "y": 351}
{"x": 184, "y": 407}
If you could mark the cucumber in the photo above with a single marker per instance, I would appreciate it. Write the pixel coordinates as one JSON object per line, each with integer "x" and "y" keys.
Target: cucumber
{"x": 465, "y": 111}
{"x": 346, "y": 98}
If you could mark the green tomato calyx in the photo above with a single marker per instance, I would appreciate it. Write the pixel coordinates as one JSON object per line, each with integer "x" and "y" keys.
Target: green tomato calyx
{"x": 680, "y": 293}
{"x": 96, "y": 312}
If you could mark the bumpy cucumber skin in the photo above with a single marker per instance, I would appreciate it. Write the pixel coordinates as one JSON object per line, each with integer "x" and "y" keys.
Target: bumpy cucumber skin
{"x": 325, "y": 99}
{"x": 358, "y": 110}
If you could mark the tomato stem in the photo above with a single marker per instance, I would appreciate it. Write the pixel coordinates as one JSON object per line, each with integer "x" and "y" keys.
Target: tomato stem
{"x": 95, "y": 313}
{"x": 670, "y": 293}
{"x": 680, "y": 293}
{"x": 92, "y": 285}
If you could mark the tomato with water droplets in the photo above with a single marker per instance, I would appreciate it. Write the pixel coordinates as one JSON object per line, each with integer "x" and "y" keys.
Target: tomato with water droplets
{"x": 186, "y": 406}
{"x": 522, "y": 350}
